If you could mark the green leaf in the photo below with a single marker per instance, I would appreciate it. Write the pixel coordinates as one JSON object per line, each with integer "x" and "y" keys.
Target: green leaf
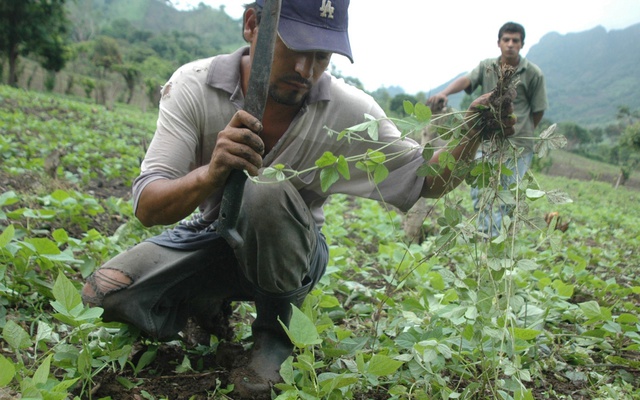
{"x": 381, "y": 365}
{"x": 326, "y": 160}
{"x": 301, "y": 330}
{"x": 42, "y": 373}
{"x": 328, "y": 176}
{"x": 447, "y": 160}
{"x": 330, "y": 381}
{"x": 185, "y": 366}
{"x": 436, "y": 280}
{"x": 286, "y": 371}
{"x": 44, "y": 245}
{"x": 626, "y": 318}
{"x": 563, "y": 289}
{"x": 380, "y": 174}
{"x": 533, "y": 194}
{"x": 6, "y": 236}
{"x": 594, "y": 312}
{"x": 343, "y": 167}
{"x": 127, "y": 384}
{"x": 428, "y": 170}
{"x": 7, "y": 371}
{"x": 63, "y": 386}
{"x": 327, "y": 301}
{"x": 591, "y": 309}
{"x": 372, "y": 131}
{"x": 275, "y": 171}
{"x": 377, "y": 157}
{"x": 66, "y": 294}
{"x": 8, "y": 198}
{"x": 146, "y": 359}
{"x": 427, "y": 153}
{"x": 408, "y": 107}
{"x": 422, "y": 112}
{"x": 16, "y": 336}
{"x": 526, "y": 334}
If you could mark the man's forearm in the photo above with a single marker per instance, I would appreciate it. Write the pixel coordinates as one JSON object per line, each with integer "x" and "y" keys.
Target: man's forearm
{"x": 456, "y": 86}
{"x": 436, "y": 186}
{"x": 167, "y": 201}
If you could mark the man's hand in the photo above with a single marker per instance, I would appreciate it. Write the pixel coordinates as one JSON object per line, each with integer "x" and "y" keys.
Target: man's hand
{"x": 492, "y": 116}
{"x": 437, "y": 102}
{"x": 238, "y": 146}
{"x": 167, "y": 201}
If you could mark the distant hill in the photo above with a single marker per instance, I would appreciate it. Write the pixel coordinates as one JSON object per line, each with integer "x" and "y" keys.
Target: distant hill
{"x": 211, "y": 26}
{"x": 589, "y": 74}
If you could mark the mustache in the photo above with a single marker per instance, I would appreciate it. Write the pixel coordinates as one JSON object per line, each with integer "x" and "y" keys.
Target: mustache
{"x": 297, "y": 79}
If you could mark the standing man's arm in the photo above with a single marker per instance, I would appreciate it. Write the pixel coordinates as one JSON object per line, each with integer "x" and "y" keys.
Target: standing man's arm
{"x": 436, "y": 186}
{"x": 438, "y": 101}
{"x": 537, "y": 117}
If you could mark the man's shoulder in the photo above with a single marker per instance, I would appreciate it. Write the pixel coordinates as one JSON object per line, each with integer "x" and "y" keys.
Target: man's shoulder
{"x": 341, "y": 87}
{"x": 531, "y": 67}
{"x": 487, "y": 62}
{"x": 196, "y": 65}
{"x": 344, "y": 94}
{"x": 484, "y": 67}
{"x": 220, "y": 71}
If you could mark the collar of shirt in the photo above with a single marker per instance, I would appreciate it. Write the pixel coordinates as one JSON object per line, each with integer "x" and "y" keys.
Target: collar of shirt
{"x": 522, "y": 64}
{"x": 224, "y": 74}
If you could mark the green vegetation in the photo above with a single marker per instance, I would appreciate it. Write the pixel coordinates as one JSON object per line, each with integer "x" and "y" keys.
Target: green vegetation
{"x": 112, "y": 51}
{"x": 535, "y": 314}
{"x": 35, "y": 28}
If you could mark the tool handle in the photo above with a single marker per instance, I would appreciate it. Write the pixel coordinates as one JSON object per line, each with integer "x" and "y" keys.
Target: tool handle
{"x": 255, "y": 101}
{"x": 230, "y": 208}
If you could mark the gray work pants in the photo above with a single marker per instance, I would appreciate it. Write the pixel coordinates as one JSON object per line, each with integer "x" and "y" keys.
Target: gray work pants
{"x": 282, "y": 248}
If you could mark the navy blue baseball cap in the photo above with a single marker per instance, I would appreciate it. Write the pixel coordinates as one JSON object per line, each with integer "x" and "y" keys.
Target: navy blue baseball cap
{"x": 315, "y": 25}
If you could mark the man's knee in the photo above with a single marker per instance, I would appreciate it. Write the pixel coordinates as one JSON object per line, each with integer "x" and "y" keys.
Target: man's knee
{"x": 102, "y": 282}
{"x": 280, "y": 201}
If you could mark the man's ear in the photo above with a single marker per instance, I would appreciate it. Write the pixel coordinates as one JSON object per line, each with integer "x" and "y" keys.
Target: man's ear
{"x": 250, "y": 24}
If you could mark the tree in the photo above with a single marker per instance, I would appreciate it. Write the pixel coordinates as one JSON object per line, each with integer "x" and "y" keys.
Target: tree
{"x": 131, "y": 74}
{"x": 575, "y": 134}
{"x": 33, "y": 27}
{"x": 106, "y": 54}
{"x": 397, "y": 103}
{"x": 627, "y": 151}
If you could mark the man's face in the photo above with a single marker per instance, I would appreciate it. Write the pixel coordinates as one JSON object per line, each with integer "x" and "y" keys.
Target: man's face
{"x": 293, "y": 73}
{"x": 510, "y": 44}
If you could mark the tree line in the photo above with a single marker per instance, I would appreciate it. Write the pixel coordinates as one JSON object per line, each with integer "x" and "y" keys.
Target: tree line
{"x": 97, "y": 55}
{"x": 112, "y": 59}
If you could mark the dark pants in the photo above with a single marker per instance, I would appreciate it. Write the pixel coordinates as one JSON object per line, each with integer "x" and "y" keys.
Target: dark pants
{"x": 159, "y": 285}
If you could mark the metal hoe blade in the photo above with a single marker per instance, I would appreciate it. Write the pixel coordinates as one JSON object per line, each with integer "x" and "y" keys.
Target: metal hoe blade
{"x": 254, "y": 104}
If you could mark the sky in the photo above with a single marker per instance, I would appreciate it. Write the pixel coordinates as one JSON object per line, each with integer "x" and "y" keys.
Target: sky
{"x": 420, "y": 44}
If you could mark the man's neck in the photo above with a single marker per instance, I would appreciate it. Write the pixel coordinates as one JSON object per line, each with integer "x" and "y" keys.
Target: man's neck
{"x": 514, "y": 62}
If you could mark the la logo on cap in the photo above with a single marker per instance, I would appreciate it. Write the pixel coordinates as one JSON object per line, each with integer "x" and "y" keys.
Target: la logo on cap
{"x": 327, "y": 9}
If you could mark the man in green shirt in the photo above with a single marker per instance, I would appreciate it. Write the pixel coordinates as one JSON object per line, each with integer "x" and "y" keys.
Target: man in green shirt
{"x": 529, "y": 106}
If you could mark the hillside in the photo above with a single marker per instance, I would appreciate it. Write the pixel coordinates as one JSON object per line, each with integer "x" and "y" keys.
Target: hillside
{"x": 589, "y": 74}
{"x": 157, "y": 16}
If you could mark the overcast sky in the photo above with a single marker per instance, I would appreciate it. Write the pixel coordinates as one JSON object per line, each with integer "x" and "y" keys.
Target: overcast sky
{"x": 420, "y": 44}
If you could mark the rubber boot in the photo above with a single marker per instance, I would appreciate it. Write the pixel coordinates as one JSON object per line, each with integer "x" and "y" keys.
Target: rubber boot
{"x": 271, "y": 345}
